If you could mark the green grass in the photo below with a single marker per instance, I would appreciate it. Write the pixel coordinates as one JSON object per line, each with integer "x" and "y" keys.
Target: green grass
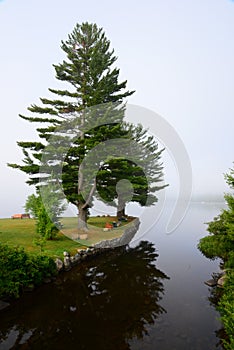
{"x": 22, "y": 233}
{"x": 95, "y": 232}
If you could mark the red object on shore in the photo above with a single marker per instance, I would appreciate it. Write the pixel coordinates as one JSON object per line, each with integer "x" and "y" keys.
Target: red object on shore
{"x": 20, "y": 216}
{"x": 108, "y": 225}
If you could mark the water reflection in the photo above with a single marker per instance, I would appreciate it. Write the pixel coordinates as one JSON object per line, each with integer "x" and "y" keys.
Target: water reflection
{"x": 101, "y": 305}
{"x": 214, "y": 298}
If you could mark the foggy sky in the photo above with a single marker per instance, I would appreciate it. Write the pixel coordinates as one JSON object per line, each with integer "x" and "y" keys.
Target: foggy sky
{"x": 177, "y": 55}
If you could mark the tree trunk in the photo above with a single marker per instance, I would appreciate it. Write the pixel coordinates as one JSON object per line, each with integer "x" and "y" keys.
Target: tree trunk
{"x": 120, "y": 208}
{"x": 82, "y": 218}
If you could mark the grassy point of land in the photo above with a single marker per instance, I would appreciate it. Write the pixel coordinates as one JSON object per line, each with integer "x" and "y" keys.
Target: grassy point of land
{"x": 22, "y": 233}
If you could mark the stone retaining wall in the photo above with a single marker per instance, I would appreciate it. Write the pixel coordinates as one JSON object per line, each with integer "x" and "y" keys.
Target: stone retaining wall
{"x": 98, "y": 248}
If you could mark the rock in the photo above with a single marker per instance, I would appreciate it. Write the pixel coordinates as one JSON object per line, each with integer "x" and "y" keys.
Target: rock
{"x": 211, "y": 283}
{"x": 67, "y": 263}
{"x": 66, "y": 254}
{"x": 74, "y": 236}
{"x": 76, "y": 258}
{"x": 73, "y": 308}
{"x": 83, "y": 236}
{"x": 59, "y": 264}
{"x": 221, "y": 281}
{"x": 80, "y": 251}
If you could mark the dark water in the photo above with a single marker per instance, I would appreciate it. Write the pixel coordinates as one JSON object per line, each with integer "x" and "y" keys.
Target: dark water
{"x": 150, "y": 296}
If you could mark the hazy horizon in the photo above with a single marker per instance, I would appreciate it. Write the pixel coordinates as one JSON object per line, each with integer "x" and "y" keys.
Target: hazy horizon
{"x": 178, "y": 56}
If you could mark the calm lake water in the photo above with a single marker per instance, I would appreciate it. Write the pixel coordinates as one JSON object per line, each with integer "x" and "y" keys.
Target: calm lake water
{"x": 150, "y": 296}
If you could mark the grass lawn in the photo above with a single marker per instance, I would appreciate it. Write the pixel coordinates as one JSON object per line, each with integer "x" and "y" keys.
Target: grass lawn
{"x": 95, "y": 232}
{"x": 17, "y": 232}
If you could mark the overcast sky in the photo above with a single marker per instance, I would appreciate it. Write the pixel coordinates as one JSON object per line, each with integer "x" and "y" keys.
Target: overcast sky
{"x": 177, "y": 55}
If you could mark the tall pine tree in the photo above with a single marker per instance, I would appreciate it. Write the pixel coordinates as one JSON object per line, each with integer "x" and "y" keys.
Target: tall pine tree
{"x": 90, "y": 80}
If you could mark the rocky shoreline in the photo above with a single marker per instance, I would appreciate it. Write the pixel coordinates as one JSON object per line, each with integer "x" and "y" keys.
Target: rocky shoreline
{"x": 217, "y": 280}
{"x": 98, "y": 248}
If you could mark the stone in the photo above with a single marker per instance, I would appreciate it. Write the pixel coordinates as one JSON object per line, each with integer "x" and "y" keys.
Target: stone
{"x": 76, "y": 258}
{"x": 211, "y": 283}
{"x": 221, "y": 281}
{"x": 74, "y": 236}
{"x": 73, "y": 308}
{"x": 59, "y": 264}
{"x": 80, "y": 251}
{"x": 67, "y": 263}
{"x": 83, "y": 236}
{"x": 66, "y": 254}
{"x": 72, "y": 259}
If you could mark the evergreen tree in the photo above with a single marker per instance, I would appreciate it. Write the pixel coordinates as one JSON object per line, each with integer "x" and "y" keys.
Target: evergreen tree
{"x": 88, "y": 72}
{"x": 133, "y": 178}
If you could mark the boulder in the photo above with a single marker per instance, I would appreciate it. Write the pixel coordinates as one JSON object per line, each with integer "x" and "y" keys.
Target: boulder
{"x": 59, "y": 264}
{"x": 211, "y": 283}
{"x": 67, "y": 263}
{"x": 221, "y": 281}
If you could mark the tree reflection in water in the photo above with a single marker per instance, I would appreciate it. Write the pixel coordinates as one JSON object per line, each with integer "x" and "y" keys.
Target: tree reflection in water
{"x": 215, "y": 295}
{"x": 100, "y": 305}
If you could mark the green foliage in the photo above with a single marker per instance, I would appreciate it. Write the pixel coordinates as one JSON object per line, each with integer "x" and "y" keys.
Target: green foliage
{"x": 141, "y": 168}
{"x": 45, "y": 226}
{"x": 220, "y": 244}
{"x": 213, "y": 247}
{"x": 226, "y": 309}
{"x": 40, "y": 241}
{"x": 32, "y": 205}
{"x": 46, "y": 208}
{"x": 20, "y": 269}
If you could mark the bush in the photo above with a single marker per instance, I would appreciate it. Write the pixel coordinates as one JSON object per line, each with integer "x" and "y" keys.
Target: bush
{"x": 226, "y": 309}
{"x": 20, "y": 269}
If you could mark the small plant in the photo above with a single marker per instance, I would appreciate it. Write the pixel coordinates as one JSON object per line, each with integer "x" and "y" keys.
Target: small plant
{"x": 46, "y": 211}
{"x": 40, "y": 241}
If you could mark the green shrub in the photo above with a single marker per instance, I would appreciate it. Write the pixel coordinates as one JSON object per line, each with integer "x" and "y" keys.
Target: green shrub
{"x": 226, "y": 309}
{"x": 20, "y": 269}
